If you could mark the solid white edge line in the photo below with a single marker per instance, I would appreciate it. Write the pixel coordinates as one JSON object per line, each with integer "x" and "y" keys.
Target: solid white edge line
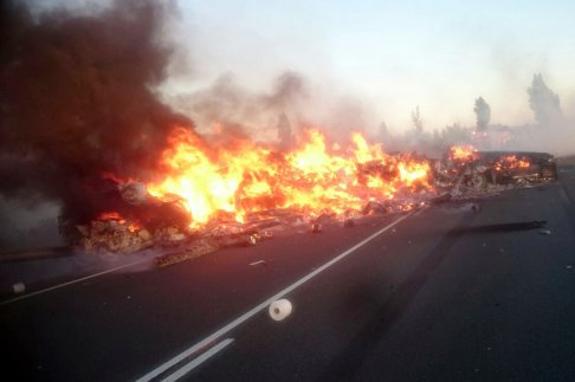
{"x": 198, "y": 361}
{"x": 247, "y": 315}
{"x": 71, "y": 282}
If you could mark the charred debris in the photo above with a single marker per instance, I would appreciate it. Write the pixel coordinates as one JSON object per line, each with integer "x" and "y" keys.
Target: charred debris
{"x": 145, "y": 222}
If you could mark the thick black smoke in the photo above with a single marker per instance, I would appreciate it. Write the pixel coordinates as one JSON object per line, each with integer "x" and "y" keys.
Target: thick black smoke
{"x": 240, "y": 112}
{"x": 76, "y": 101}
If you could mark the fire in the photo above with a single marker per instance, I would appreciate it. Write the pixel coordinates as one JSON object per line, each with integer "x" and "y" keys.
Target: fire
{"x": 244, "y": 178}
{"x": 114, "y": 215}
{"x": 463, "y": 153}
{"x": 111, "y": 215}
{"x": 510, "y": 162}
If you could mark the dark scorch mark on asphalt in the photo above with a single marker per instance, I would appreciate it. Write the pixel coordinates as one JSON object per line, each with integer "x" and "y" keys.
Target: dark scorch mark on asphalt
{"x": 505, "y": 227}
{"x": 346, "y": 364}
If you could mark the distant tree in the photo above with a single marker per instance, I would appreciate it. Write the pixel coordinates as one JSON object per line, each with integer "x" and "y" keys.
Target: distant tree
{"x": 483, "y": 113}
{"x": 417, "y": 121}
{"x": 543, "y": 101}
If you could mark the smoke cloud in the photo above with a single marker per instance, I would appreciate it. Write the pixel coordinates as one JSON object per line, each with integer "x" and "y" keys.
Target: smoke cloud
{"x": 225, "y": 106}
{"x": 77, "y": 100}
{"x": 292, "y": 99}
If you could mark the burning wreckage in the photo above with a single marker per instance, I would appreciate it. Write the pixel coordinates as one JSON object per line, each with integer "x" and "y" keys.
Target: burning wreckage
{"x": 466, "y": 172}
{"x": 209, "y": 198}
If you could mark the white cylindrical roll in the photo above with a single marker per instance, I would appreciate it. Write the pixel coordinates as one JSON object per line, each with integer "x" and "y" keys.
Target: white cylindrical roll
{"x": 19, "y": 288}
{"x": 280, "y": 309}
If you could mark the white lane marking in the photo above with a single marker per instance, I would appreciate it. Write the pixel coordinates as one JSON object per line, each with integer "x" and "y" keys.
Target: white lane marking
{"x": 71, "y": 282}
{"x": 247, "y": 315}
{"x": 198, "y": 361}
{"x": 565, "y": 196}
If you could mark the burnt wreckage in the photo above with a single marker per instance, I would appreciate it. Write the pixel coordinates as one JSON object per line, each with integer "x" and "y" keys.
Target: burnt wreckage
{"x": 146, "y": 222}
{"x": 484, "y": 171}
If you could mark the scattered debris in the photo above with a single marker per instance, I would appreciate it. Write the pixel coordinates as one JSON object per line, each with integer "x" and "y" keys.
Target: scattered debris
{"x": 169, "y": 237}
{"x": 195, "y": 249}
{"x": 373, "y": 207}
{"x": 316, "y": 228}
{"x": 381, "y": 184}
{"x": 237, "y": 240}
{"x": 465, "y": 172}
{"x": 280, "y": 309}
{"x": 113, "y": 235}
{"x": 19, "y": 288}
{"x": 348, "y": 223}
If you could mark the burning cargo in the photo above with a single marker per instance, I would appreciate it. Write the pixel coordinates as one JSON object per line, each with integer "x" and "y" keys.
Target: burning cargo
{"x": 214, "y": 197}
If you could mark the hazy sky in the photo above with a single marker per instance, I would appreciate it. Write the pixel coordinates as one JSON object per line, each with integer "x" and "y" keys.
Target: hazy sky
{"x": 393, "y": 55}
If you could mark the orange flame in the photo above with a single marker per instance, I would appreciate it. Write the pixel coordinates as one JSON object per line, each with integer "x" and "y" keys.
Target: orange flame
{"x": 249, "y": 178}
{"x": 462, "y": 153}
{"x": 510, "y": 162}
{"x": 114, "y": 215}
{"x": 111, "y": 215}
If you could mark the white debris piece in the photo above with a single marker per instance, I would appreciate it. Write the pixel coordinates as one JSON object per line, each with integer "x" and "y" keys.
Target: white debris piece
{"x": 19, "y": 288}
{"x": 280, "y": 309}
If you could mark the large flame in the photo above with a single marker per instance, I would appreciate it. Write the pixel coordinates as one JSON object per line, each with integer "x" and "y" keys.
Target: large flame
{"x": 510, "y": 162}
{"x": 244, "y": 177}
{"x": 462, "y": 153}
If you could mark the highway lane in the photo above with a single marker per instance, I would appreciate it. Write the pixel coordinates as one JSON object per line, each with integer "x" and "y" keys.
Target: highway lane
{"x": 119, "y": 325}
{"x": 477, "y": 306}
{"x": 413, "y": 302}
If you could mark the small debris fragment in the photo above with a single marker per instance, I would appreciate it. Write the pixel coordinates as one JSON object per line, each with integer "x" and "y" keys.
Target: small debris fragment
{"x": 280, "y": 309}
{"x": 237, "y": 240}
{"x": 195, "y": 249}
{"x": 257, "y": 263}
{"x": 569, "y": 266}
{"x": 316, "y": 228}
{"x": 266, "y": 235}
{"x": 19, "y": 288}
{"x": 348, "y": 223}
{"x": 545, "y": 232}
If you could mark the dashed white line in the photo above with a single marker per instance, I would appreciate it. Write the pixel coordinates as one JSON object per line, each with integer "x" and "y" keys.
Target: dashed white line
{"x": 198, "y": 361}
{"x": 252, "y": 312}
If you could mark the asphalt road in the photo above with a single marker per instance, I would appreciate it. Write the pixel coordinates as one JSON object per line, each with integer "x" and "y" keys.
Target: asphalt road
{"x": 445, "y": 293}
